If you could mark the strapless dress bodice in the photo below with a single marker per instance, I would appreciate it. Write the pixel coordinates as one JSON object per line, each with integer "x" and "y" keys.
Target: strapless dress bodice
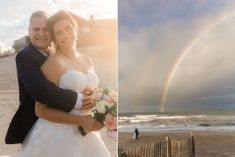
{"x": 78, "y": 81}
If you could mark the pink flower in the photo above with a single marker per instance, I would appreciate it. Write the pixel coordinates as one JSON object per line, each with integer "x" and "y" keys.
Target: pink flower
{"x": 98, "y": 93}
{"x": 110, "y": 122}
{"x": 109, "y": 101}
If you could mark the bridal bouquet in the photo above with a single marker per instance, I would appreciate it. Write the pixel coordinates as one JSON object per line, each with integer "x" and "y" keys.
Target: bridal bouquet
{"x": 105, "y": 110}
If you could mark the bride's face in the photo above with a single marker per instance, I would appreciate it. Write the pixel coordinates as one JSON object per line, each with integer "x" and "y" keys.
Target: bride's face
{"x": 65, "y": 35}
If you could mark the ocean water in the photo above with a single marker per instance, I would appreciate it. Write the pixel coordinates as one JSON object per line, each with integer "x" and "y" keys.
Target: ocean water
{"x": 172, "y": 122}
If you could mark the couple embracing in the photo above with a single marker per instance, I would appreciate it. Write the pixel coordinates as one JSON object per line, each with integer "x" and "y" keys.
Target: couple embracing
{"x": 56, "y": 93}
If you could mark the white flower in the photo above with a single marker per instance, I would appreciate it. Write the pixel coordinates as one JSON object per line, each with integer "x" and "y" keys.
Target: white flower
{"x": 113, "y": 95}
{"x": 100, "y": 106}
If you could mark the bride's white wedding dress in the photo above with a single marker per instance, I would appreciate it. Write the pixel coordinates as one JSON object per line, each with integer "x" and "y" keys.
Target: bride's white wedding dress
{"x": 47, "y": 139}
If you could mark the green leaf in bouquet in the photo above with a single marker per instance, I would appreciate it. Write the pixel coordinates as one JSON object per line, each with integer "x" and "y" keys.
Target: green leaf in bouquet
{"x": 114, "y": 114}
{"x": 114, "y": 108}
{"x": 107, "y": 109}
{"x": 99, "y": 116}
{"x": 106, "y": 91}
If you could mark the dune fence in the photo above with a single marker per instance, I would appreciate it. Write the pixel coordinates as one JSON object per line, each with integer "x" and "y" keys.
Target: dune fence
{"x": 167, "y": 148}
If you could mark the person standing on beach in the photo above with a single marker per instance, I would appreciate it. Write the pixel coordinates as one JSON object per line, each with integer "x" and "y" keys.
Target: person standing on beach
{"x": 33, "y": 86}
{"x": 136, "y": 134}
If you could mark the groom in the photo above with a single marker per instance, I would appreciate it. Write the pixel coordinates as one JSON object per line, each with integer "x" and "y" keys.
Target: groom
{"x": 33, "y": 86}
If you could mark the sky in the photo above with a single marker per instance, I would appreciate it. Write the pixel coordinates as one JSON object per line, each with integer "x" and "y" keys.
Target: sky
{"x": 176, "y": 55}
{"x": 14, "y": 17}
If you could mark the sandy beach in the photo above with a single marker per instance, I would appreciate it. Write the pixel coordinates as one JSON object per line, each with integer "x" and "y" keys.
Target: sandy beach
{"x": 207, "y": 144}
{"x": 9, "y": 104}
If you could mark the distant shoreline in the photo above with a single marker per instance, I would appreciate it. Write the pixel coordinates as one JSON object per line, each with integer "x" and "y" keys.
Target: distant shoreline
{"x": 215, "y": 111}
{"x": 181, "y": 131}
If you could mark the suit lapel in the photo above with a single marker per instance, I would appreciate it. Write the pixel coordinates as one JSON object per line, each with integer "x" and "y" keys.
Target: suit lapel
{"x": 41, "y": 58}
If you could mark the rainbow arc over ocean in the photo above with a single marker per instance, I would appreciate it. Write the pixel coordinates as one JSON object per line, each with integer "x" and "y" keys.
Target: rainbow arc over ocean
{"x": 224, "y": 17}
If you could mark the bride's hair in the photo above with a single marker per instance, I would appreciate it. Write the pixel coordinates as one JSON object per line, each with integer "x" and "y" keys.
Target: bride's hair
{"x": 57, "y": 17}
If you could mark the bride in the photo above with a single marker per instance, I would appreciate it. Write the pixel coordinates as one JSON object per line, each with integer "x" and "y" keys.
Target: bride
{"x": 55, "y": 133}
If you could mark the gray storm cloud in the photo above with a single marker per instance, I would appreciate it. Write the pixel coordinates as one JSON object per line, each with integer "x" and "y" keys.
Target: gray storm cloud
{"x": 208, "y": 70}
{"x": 147, "y": 55}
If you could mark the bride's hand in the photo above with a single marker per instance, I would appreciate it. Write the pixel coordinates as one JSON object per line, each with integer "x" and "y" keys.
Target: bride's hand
{"x": 88, "y": 100}
{"x": 87, "y": 91}
{"x": 87, "y": 103}
{"x": 90, "y": 124}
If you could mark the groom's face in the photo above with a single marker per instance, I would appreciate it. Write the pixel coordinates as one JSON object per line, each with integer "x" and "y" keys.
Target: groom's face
{"x": 38, "y": 33}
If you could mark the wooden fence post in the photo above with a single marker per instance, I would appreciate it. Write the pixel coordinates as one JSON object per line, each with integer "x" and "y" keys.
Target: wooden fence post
{"x": 193, "y": 146}
{"x": 168, "y": 147}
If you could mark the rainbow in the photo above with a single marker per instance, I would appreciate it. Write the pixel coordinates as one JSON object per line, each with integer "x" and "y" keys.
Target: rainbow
{"x": 186, "y": 50}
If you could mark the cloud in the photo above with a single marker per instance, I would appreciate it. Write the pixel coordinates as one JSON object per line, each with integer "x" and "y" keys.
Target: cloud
{"x": 149, "y": 51}
{"x": 209, "y": 69}
{"x": 218, "y": 97}
{"x": 145, "y": 58}
{"x": 135, "y": 14}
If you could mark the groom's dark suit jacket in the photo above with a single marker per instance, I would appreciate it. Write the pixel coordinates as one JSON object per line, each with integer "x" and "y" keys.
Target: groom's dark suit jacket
{"x": 34, "y": 86}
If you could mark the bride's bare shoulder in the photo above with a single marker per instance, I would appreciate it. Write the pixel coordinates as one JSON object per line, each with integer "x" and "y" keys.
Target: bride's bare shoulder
{"x": 53, "y": 60}
{"x": 53, "y": 67}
